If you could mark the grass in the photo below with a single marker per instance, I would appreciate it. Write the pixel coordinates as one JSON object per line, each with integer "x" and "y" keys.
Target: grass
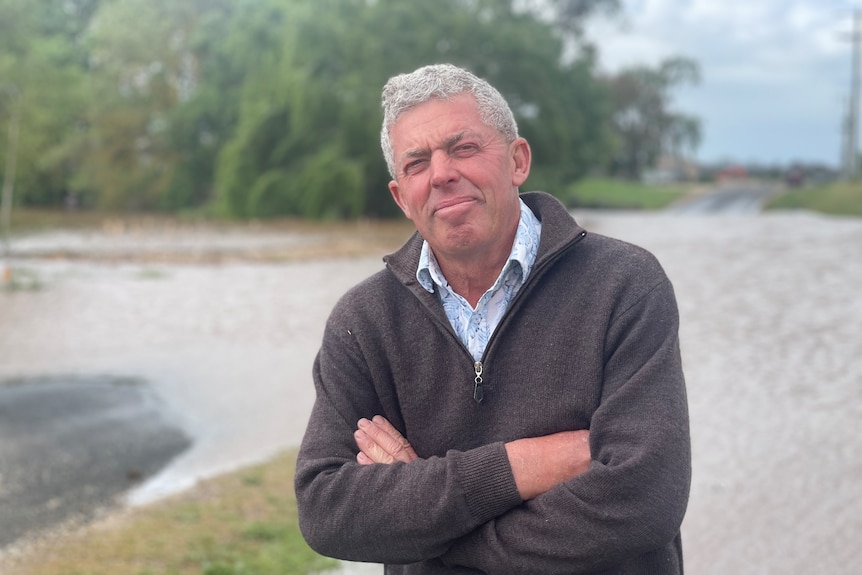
{"x": 841, "y": 198}
{"x": 241, "y": 523}
{"x": 607, "y": 193}
{"x": 319, "y": 239}
{"x": 19, "y": 279}
{"x": 35, "y": 219}
{"x": 27, "y": 220}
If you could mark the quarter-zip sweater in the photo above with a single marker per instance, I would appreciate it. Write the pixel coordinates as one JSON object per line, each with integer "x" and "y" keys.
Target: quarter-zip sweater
{"x": 590, "y": 342}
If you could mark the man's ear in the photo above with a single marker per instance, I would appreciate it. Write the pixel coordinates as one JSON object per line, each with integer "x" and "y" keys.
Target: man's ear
{"x": 395, "y": 190}
{"x": 521, "y": 157}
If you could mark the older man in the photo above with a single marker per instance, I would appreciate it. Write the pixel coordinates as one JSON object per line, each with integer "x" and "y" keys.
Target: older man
{"x": 507, "y": 395}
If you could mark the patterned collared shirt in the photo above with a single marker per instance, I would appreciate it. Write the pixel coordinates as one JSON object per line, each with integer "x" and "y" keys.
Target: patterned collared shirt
{"x": 475, "y": 326}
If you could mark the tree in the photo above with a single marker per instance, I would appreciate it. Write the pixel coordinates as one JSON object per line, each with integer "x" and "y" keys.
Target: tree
{"x": 143, "y": 70}
{"x": 314, "y": 101}
{"x": 40, "y": 80}
{"x": 568, "y": 16}
{"x": 268, "y": 107}
{"x": 643, "y": 123}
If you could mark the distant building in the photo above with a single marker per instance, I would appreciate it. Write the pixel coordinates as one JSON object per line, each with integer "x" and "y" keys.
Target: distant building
{"x": 671, "y": 169}
{"x": 731, "y": 172}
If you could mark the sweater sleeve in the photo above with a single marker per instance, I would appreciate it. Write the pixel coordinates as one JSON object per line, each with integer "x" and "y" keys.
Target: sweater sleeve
{"x": 399, "y": 513}
{"x": 632, "y": 500}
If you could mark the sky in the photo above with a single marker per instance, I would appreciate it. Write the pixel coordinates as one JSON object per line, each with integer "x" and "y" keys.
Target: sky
{"x": 775, "y": 74}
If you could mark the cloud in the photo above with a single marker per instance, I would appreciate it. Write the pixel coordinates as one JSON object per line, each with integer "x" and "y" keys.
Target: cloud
{"x": 776, "y": 74}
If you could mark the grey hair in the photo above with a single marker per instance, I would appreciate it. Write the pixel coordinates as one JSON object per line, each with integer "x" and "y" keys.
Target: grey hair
{"x": 441, "y": 81}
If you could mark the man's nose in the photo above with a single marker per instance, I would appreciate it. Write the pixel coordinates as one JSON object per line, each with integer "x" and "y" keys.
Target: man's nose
{"x": 443, "y": 170}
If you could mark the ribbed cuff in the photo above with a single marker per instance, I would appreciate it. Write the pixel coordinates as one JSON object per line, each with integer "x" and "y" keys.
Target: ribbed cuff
{"x": 487, "y": 480}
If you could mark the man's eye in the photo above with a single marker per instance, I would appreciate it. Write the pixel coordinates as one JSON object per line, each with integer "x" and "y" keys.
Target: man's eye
{"x": 466, "y": 149}
{"x": 414, "y": 166}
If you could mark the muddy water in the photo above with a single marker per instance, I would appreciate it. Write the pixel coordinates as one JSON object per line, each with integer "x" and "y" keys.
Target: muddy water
{"x": 771, "y": 311}
{"x": 772, "y": 343}
{"x": 228, "y": 348}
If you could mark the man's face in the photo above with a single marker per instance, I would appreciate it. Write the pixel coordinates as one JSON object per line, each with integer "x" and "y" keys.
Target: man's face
{"x": 457, "y": 179}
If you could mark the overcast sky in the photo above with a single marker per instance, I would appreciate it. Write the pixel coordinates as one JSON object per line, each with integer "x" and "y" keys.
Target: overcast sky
{"x": 775, "y": 73}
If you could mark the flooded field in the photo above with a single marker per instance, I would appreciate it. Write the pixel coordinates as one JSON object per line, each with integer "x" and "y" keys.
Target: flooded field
{"x": 771, "y": 311}
{"x": 224, "y": 327}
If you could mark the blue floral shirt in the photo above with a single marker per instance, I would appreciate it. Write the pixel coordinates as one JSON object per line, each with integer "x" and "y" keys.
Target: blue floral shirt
{"x": 475, "y": 326}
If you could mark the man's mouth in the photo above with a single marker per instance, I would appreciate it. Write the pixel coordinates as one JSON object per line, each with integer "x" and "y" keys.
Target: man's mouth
{"x": 447, "y": 205}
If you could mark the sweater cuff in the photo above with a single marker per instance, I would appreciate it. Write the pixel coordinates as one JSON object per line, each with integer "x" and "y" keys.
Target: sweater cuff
{"x": 487, "y": 481}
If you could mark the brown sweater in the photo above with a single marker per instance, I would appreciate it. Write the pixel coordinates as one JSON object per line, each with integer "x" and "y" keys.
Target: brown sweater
{"x": 590, "y": 341}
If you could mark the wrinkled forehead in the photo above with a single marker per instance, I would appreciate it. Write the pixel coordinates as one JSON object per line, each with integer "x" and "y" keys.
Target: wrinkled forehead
{"x": 440, "y": 119}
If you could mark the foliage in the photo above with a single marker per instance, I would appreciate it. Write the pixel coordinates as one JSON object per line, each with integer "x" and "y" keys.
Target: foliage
{"x": 840, "y": 198}
{"x": 615, "y": 194}
{"x": 20, "y": 279}
{"x": 644, "y": 125}
{"x": 145, "y": 72}
{"x": 42, "y": 92}
{"x": 307, "y": 107}
{"x": 253, "y": 108}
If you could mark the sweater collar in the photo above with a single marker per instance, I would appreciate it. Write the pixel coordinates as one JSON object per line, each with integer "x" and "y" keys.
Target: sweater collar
{"x": 559, "y": 229}
{"x": 521, "y": 257}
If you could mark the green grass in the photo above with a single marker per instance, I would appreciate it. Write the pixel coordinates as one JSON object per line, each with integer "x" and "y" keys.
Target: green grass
{"x": 19, "y": 279}
{"x": 606, "y": 193}
{"x": 241, "y": 523}
{"x": 841, "y": 198}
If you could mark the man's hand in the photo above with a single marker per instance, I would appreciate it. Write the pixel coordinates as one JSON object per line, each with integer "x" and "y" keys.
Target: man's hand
{"x": 540, "y": 463}
{"x": 380, "y": 442}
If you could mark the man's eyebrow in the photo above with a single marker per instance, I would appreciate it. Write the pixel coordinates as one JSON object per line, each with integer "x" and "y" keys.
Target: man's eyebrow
{"x": 452, "y": 140}
{"x": 416, "y": 153}
{"x": 447, "y": 143}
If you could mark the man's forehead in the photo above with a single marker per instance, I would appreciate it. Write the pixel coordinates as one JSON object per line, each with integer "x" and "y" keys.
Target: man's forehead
{"x": 439, "y": 122}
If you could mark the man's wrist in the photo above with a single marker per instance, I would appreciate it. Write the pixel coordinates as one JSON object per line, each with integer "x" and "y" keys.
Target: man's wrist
{"x": 485, "y": 476}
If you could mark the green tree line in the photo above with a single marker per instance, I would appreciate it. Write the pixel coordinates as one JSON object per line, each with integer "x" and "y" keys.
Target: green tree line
{"x": 252, "y": 108}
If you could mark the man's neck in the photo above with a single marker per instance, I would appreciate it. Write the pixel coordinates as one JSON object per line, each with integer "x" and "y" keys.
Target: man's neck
{"x": 471, "y": 279}
{"x": 471, "y": 274}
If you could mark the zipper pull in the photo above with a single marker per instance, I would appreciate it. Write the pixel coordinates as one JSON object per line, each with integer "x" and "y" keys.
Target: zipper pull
{"x": 478, "y": 392}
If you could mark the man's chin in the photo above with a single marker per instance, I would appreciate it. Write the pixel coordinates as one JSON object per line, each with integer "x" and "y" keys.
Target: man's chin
{"x": 461, "y": 237}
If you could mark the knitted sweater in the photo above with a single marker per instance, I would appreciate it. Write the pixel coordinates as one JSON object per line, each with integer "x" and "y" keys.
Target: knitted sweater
{"x": 590, "y": 341}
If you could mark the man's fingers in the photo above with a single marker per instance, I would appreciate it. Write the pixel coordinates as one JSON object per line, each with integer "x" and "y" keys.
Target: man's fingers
{"x": 381, "y": 432}
{"x": 370, "y": 449}
{"x": 393, "y": 442}
{"x": 381, "y": 442}
{"x": 363, "y": 459}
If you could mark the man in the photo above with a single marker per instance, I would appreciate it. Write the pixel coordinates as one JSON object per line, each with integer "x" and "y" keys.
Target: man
{"x": 507, "y": 395}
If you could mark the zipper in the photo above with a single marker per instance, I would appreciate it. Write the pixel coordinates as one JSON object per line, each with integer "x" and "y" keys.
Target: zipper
{"x": 478, "y": 390}
{"x": 535, "y": 274}
{"x": 478, "y": 367}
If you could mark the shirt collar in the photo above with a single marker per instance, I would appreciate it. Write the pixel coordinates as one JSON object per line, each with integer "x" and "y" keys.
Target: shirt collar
{"x": 523, "y": 253}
